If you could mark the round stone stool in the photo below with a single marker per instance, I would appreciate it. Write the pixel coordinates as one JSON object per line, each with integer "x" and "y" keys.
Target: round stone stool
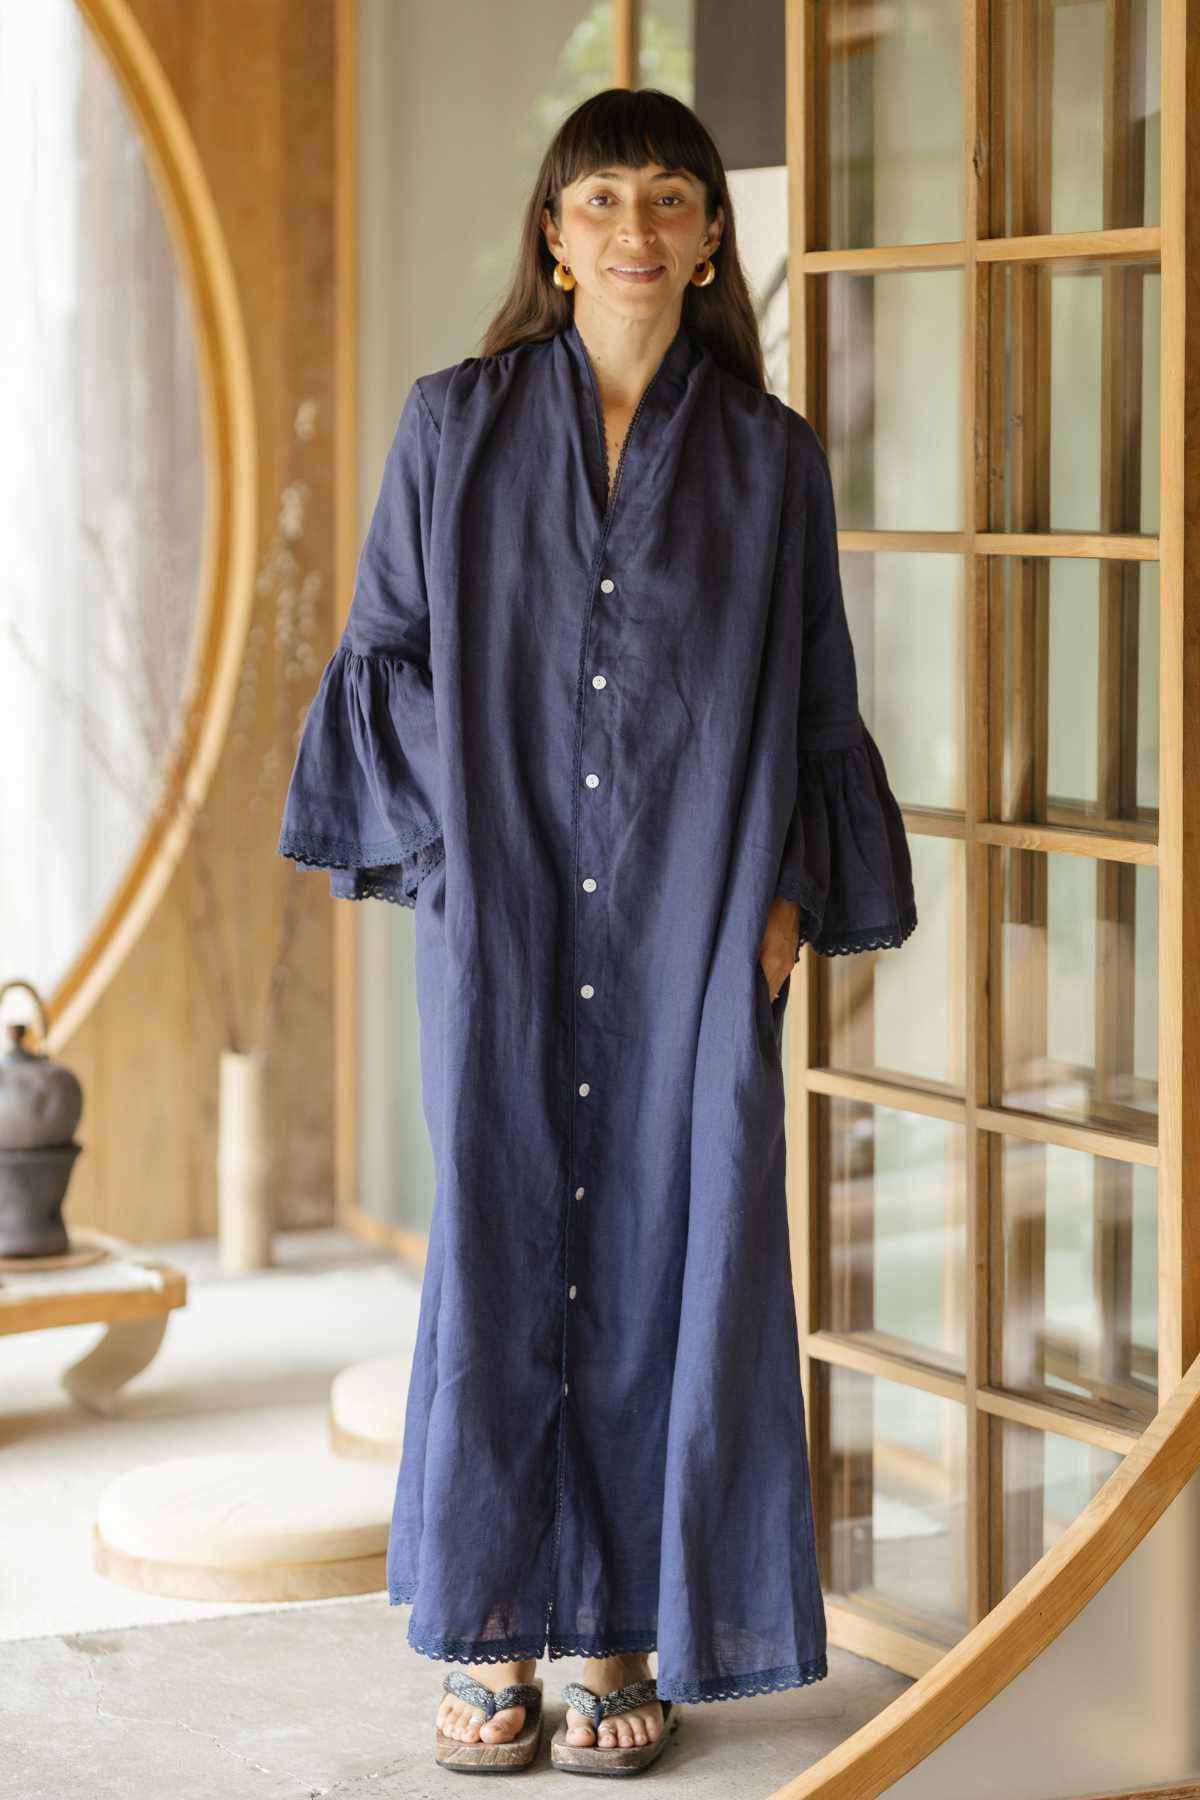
{"x": 247, "y": 1527}
{"x": 366, "y": 1409}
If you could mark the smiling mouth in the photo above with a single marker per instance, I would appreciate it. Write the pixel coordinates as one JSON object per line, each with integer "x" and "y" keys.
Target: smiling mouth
{"x": 634, "y": 268}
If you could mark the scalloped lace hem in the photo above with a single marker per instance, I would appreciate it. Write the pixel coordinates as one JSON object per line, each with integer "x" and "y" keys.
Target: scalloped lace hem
{"x": 525, "y": 1649}
{"x": 873, "y": 937}
{"x": 640, "y": 1643}
{"x": 740, "y": 1687}
{"x": 396, "y": 881}
{"x": 460, "y": 1650}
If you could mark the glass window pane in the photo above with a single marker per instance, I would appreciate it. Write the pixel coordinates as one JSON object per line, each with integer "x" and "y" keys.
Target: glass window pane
{"x": 1077, "y": 1282}
{"x": 893, "y": 387}
{"x": 1079, "y": 672}
{"x": 889, "y": 122}
{"x": 899, "y": 1013}
{"x": 1046, "y": 1480}
{"x": 1079, "y": 960}
{"x": 895, "y": 1501}
{"x": 1077, "y": 430}
{"x": 906, "y": 620}
{"x": 894, "y": 1223}
{"x": 1077, "y": 86}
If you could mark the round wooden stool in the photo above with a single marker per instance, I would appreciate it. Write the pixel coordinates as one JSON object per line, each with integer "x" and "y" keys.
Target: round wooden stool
{"x": 366, "y": 1409}
{"x": 247, "y": 1527}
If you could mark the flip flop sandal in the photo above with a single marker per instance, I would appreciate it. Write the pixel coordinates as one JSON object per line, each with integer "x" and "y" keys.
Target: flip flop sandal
{"x": 611, "y": 1759}
{"x": 482, "y": 1758}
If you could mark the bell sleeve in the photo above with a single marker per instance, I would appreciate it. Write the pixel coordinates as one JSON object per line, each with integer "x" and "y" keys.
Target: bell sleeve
{"x": 846, "y": 857}
{"x": 363, "y": 797}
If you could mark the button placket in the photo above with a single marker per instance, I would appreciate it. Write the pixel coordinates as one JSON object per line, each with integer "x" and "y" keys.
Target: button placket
{"x": 587, "y": 991}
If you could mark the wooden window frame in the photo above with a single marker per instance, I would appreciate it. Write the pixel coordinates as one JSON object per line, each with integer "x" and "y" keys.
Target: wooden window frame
{"x": 977, "y": 254}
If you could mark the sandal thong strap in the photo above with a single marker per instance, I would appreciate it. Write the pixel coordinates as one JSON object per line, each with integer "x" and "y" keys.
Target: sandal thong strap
{"x": 489, "y": 1700}
{"x": 598, "y": 1706}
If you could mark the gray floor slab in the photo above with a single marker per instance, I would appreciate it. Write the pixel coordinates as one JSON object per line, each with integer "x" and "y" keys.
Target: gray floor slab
{"x": 330, "y": 1701}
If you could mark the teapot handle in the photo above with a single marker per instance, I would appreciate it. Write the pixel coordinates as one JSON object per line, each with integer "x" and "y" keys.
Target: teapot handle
{"x": 44, "y": 1025}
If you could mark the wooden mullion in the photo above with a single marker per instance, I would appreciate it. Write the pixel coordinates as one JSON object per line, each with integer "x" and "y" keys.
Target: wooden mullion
{"x": 852, "y": 1226}
{"x": 1116, "y": 885}
{"x": 807, "y": 1150}
{"x": 1068, "y": 1419}
{"x": 1090, "y": 545}
{"x": 1179, "y": 672}
{"x": 1016, "y": 834}
{"x": 1077, "y": 249}
{"x": 1065, "y": 249}
{"x": 975, "y": 388}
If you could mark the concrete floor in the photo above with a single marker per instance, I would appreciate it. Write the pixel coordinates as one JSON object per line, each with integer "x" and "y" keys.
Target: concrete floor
{"x": 296, "y": 1703}
{"x": 330, "y": 1700}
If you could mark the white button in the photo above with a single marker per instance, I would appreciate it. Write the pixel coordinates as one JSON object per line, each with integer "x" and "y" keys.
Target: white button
{"x": 571, "y": 1291}
{"x": 599, "y": 681}
{"x": 607, "y": 585}
{"x": 584, "y": 1088}
{"x": 589, "y": 884}
{"x": 587, "y": 990}
{"x": 592, "y": 780}
{"x": 579, "y": 1193}
{"x": 565, "y": 1387}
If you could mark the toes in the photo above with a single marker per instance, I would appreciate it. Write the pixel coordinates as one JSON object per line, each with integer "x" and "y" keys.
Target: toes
{"x": 459, "y": 1723}
{"x": 504, "y": 1725}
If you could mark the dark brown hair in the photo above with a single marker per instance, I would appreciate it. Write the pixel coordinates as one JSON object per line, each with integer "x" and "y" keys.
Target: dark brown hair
{"x": 634, "y": 126}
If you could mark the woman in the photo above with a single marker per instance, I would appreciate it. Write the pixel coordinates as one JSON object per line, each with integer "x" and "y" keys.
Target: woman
{"x": 594, "y": 714}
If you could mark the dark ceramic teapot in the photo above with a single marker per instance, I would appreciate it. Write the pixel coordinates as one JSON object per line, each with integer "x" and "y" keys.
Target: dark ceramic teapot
{"x": 40, "y": 1105}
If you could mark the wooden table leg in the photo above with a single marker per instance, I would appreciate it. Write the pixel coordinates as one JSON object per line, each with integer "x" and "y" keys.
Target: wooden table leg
{"x": 123, "y": 1352}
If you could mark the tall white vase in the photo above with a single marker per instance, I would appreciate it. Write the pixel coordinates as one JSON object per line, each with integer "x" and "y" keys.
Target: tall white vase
{"x": 244, "y": 1209}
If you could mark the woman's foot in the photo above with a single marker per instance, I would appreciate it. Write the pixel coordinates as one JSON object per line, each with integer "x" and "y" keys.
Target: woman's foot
{"x": 459, "y": 1719}
{"x": 640, "y": 1725}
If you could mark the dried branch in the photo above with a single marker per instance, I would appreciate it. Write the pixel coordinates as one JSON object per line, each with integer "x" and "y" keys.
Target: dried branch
{"x": 150, "y": 617}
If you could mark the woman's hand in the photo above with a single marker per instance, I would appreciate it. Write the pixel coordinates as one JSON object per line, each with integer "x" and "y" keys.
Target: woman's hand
{"x": 777, "y": 952}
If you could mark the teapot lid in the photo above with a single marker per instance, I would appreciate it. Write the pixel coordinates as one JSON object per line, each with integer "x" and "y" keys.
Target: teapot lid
{"x": 16, "y": 1051}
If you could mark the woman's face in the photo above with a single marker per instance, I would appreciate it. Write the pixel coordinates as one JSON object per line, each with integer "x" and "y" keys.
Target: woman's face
{"x": 624, "y": 219}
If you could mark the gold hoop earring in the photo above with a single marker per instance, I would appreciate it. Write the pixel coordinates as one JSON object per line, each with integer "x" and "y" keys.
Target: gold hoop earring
{"x": 709, "y": 268}
{"x": 563, "y": 277}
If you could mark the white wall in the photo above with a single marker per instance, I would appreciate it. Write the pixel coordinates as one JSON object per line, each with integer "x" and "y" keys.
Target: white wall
{"x": 457, "y": 104}
{"x": 1113, "y": 1703}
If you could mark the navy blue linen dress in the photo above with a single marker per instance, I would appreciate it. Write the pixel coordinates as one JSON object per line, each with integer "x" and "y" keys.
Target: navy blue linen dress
{"x": 589, "y": 737}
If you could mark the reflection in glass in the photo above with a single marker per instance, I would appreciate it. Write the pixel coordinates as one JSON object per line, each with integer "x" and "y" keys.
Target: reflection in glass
{"x": 889, "y": 132}
{"x": 1045, "y": 1482}
{"x": 899, "y": 1013}
{"x": 1076, "y": 436}
{"x": 1079, "y": 664}
{"x": 894, "y": 1225}
{"x": 893, "y": 385}
{"x": 896, "y": 1501}
{"x": 1079, "y": 962}
{"x": 906, "y": 620}
{"x": 1076, "y": 1290}
{"x": 1077, "y": 91}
